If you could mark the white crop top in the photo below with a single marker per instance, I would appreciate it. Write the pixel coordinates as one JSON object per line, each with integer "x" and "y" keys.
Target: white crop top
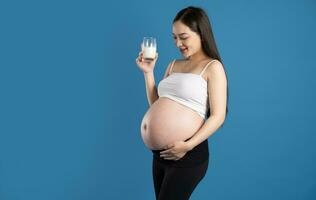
{"x": 188, "y": 89}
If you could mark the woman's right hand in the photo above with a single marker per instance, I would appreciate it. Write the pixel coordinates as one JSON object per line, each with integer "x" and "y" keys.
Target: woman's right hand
{"x": 145, "y": 65}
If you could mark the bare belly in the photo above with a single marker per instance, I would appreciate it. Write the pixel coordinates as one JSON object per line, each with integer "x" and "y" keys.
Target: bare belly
{"x": 167, "y": 121}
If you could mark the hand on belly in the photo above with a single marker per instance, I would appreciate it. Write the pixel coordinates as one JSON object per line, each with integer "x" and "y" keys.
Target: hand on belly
{"x": 174, "y": 151}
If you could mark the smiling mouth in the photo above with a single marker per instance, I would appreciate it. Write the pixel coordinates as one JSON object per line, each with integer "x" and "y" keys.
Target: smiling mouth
{"x": 184, "y": 50}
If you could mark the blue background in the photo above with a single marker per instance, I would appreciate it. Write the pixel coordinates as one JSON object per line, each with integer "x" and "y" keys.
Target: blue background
{"x": 72, "y": 99}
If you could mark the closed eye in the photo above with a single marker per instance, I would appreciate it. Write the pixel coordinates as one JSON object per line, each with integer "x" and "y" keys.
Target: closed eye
{"x": 181, "y": 38}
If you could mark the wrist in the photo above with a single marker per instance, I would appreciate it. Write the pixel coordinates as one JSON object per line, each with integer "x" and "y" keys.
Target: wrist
{"x": 189, "y": 145}
{"x": 149, "y": 73}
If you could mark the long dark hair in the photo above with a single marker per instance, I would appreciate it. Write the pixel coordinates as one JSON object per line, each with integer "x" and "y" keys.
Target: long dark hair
{"x": 197, "y": 20}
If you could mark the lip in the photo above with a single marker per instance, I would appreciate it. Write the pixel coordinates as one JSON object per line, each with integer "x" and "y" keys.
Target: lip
{"x": 184, "y": 50}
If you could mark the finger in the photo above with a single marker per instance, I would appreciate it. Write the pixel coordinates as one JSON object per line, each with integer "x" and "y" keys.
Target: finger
{"x": 139, "y": 60}
{"x": 169, "y": 146}
{"x": 165, "y": 151}
{"x": 170, "y": 158}
{"x": 168, "y": 149}
{"x": 165, "y": 155}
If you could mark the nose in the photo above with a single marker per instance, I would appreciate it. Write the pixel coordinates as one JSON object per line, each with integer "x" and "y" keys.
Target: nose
{"x": 178, "y": 43}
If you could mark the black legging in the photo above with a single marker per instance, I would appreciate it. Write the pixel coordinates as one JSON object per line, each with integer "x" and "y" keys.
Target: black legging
{"x": 176, "y": 179}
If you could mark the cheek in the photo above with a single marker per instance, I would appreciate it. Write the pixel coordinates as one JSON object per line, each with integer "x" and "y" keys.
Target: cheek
{"x": 192, "y": 43}
{"x": 188, "y": 44}
{"x": 195, "y": 46}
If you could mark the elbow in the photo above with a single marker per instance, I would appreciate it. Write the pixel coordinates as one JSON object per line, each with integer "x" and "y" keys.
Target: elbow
{"x": 220, "y": 119}
{"x": 223, "y": 117}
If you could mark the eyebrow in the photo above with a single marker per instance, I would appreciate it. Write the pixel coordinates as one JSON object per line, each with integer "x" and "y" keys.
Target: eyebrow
{"x": 180, "y": 33}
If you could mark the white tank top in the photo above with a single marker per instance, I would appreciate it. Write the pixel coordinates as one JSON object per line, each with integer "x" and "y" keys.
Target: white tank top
{"x": 188, "y": 89}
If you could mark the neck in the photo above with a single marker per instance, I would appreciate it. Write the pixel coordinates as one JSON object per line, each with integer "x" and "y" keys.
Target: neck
{"x": 198, "y": 56}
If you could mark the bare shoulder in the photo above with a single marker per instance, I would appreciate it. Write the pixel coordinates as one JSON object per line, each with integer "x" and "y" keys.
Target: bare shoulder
{"x": 169, "y": 68}
{"x": 215, "y": 70}
{"x": 178, "y": 62}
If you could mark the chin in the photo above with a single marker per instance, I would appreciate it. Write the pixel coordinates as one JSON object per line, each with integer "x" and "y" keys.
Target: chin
{"x": 186, "y": 55}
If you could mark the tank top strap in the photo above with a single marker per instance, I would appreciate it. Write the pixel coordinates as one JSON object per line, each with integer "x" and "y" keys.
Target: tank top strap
{"x": 170, "y": 71}
{"x": 206, "y": 67}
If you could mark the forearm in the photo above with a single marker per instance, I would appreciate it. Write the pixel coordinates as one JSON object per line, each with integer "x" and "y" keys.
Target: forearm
{"x": 151, "y": 89}
{"x": 209, "y": 127}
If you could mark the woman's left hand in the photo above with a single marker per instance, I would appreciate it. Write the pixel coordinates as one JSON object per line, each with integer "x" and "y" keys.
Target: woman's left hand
{"x": 175, "y": 151}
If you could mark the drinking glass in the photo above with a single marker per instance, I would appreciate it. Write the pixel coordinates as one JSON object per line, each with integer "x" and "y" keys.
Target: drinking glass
{"x": 149, "y": 47}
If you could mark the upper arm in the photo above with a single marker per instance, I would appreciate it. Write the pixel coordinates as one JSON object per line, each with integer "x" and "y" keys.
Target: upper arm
{"x": 217, "y": 89}
{"x": 167, "y": 70}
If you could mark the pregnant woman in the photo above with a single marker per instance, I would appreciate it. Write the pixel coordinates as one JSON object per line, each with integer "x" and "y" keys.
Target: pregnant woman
{"x": 189, "y": 104}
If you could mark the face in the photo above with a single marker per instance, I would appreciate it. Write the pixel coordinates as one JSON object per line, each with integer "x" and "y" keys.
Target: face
{"x": 188, "y": 42}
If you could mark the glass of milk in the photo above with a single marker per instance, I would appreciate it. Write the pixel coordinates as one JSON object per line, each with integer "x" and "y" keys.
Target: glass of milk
{"x": 149, "y": 47}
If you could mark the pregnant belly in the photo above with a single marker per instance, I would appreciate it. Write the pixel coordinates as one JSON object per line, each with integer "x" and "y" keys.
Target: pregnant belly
{"x": 167, "y": 121}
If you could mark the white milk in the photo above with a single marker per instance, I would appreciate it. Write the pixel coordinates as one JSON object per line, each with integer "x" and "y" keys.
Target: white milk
{"x": 149, "y": 52}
